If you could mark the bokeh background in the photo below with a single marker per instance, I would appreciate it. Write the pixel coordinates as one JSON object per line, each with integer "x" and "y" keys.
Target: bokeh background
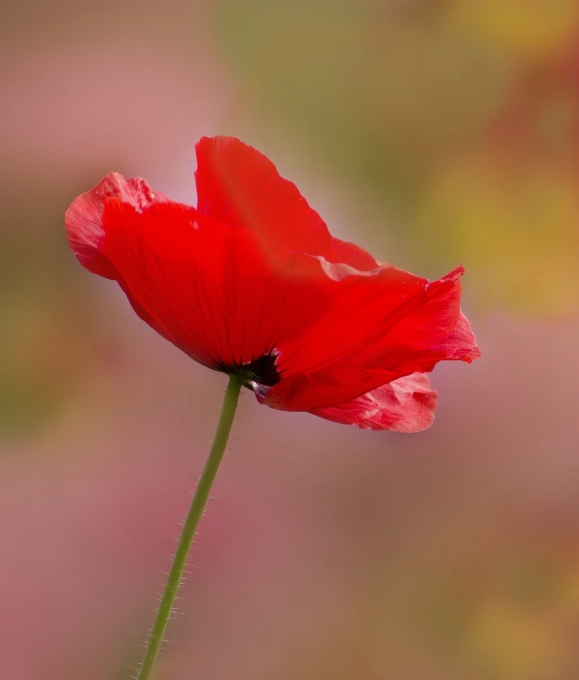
{"x": 429, "y": 132}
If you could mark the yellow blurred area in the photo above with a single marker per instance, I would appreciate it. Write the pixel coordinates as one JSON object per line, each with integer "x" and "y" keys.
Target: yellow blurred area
{"x": 516, "y": 229}
{"x": 506, "y": 644}
{"x": 522, "y": 632}
{"x": 530, "y": 29}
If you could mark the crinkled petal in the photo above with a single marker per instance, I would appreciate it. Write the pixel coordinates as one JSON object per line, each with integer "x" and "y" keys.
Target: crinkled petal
{"x": 362, "y": 311}
{"x": 429, "y": 324}
{"x": 238, "y": 185}
{"x": 385, "y": 319}
{"x": 84, "y": 218}
{"x": 388, "y": 325}
{"x": 350, "y": 254}
{"x": 204, "y": 285}
{"x": 320, "y": 389}
{"x": 404, "y": 405}
{"x": 461, "y": 344}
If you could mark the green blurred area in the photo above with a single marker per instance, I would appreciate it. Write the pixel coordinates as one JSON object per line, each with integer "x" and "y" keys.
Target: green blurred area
{"x": 49, "y": 337}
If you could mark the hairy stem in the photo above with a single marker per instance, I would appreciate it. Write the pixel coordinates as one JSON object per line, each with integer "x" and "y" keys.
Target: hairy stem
{"x": 190, "y": 526}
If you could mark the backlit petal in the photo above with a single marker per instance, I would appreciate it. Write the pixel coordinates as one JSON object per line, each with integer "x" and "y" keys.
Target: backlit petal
{"x": 386, "y": 319}
{"x": 320, "y": 389}
{"x": 388, "y": 325}
{"x": 204, "y": 285}
{"x": 84, "y": 218}
{"x": 404, "y": 405}
{"x": 253, "y": 283}
{"x": 238, "y": 185}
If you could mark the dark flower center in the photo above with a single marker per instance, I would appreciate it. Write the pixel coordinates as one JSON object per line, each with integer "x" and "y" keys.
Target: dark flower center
{"x": 261, "y": 370}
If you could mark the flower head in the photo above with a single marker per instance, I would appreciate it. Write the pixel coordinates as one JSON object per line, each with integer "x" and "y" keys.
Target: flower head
{"x": 252, "y": 282}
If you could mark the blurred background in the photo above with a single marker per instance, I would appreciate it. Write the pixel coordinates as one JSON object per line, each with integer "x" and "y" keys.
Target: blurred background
{"x": 429, "y": 132}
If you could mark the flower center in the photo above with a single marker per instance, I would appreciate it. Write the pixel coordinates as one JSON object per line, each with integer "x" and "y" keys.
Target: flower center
{"x": 261, "y": 370}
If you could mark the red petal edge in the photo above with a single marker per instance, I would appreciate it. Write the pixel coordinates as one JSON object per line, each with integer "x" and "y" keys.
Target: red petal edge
{"x": 403, "y": 405}
{"x": 238, "y": 185}
{"x": 84, "y": 218}
{"x": 430, "y": 328}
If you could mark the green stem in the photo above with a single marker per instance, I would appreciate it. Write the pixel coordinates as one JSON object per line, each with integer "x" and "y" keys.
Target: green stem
{"x": 190, "y": 526}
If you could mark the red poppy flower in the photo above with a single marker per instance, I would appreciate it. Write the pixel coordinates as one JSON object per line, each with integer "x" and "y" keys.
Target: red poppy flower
{"x": 252, "y": 282}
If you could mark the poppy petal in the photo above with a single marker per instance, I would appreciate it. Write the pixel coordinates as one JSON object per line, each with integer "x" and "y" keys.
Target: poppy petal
{"x": 386, "y": 319}
{"x": 84, "y": 218}
{"x": 403, "y": 405}
{"x": 432, "y": 321}
{"x": 351, "y": 254}
{"x": 320, "y": 389}
{"x": 362, "y": 310}
{"x": 433, "y": 331}
{"x": 461, "y": 344}
{"x": 238, "y": 185}
{"x": 208, "y": 285}
{"x": 398, "y": 326}
{"x": 204, "y": 285}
